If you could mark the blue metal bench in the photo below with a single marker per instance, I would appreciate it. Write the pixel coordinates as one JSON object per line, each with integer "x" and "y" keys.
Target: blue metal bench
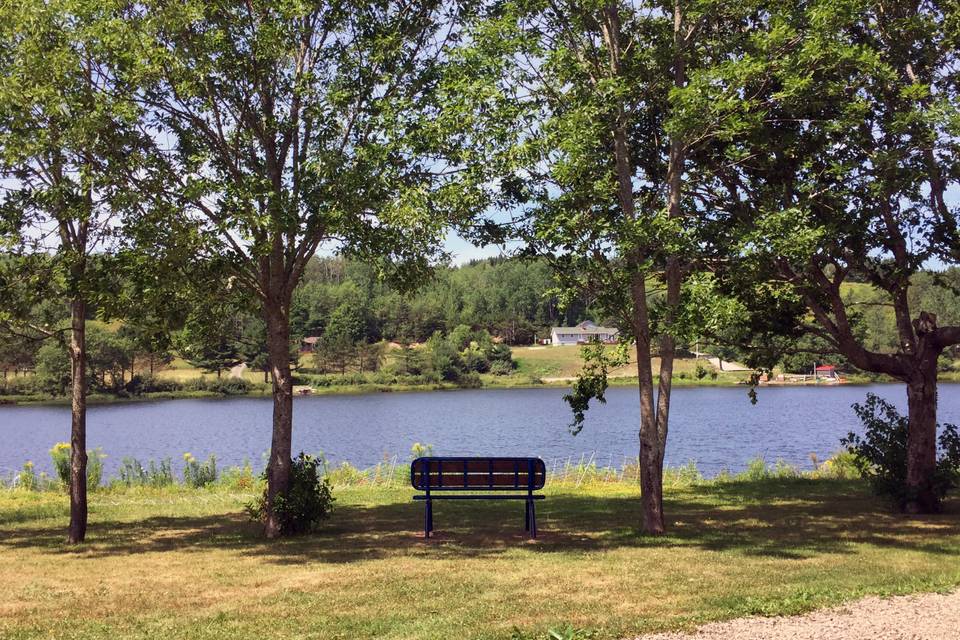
{"x": 457, "y": 478}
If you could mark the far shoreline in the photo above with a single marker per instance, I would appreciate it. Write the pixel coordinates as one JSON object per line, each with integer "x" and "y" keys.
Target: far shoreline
{"x": 370, "y": 389}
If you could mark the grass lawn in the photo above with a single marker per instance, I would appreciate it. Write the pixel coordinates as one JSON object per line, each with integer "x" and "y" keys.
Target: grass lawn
{"x": 180, "y": 563}
{"x": 565, "y": 361}
{"x": 181, "y": 371}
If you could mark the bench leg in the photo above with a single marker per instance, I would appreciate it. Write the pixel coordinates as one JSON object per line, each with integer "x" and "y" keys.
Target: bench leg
{"x": 427, "y": 520}
{"x": 533, "y": 519}
{"x": 430, "y": 518}
{"x": 526, "y": 516}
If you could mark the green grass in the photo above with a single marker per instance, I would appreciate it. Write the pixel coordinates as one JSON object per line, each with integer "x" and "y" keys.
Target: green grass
{"x": 565, "y": 362}
{"x": 178, "y": 563}
{"x": 552, "y": 362}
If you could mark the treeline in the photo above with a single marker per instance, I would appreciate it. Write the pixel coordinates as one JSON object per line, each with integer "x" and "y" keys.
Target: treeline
{"x": 347, "y": 313}
{"x": 509, "y": 298}
{"x": 350, "y": 315}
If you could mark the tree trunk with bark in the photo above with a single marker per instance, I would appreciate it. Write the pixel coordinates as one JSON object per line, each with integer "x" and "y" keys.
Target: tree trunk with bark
{"x": 922, "y": 444}
{"x": 922, "y": 416}
{"x": 278, "y": 469}
{"x": 651, "y": 471}
{"x": 78, "y": 428}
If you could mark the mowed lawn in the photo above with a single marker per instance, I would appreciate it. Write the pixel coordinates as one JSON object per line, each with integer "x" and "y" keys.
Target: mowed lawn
{"x": 565, "y": 362}
{"x": 183, "y": 563}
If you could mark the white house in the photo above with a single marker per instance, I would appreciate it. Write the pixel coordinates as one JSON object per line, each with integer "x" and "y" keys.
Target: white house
{"x": 582, "y": 333}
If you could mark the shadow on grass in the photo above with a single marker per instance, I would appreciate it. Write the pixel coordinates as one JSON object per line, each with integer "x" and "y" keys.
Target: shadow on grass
{"x": 788, "y": 519}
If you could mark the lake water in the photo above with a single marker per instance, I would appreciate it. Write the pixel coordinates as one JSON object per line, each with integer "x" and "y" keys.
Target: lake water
{"x": 716, "y": 427}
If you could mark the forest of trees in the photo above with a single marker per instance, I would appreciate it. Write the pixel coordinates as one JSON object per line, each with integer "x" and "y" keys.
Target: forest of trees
{"x": 340, "y": 302}
{"x": 351, "y": 311}
{"x": 509, "y": 298}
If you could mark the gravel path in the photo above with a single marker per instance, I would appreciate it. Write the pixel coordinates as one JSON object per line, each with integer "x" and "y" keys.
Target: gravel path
{"x": 922, "y": 617}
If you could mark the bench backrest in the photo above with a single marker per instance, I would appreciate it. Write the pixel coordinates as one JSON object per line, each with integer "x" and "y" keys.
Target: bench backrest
{"x": 477, "y": 474}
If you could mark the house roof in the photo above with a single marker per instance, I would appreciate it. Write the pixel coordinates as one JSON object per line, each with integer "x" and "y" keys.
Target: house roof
{"x": 311, "y": 339}
{"x": 587, "y": 327}
{"x": 826, "y": 367}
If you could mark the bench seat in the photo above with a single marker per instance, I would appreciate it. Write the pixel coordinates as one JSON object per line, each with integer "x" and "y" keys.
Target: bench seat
{"x": 478, "y": 478}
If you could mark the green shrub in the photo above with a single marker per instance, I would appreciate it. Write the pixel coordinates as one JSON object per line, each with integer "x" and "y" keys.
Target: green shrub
{"x": 231, "y": 387}
{"x": 27, "y": 478}
{"x": 140, "y": 384}
{"x": 347, "y": 474}
{"x": 500, "y": 352}
{"x": 197, "y": 474}
{"x": 444, "y": 359}
{"x": 684, "y": 474}
{"x": 238, "y": 478}
{"x": 758, "y": 470}
{"x": 840, "y": 466}
{"x": 420, "y": 450}
{"x": 569, "y": 633}
{"x": 701, "y": 372}
{"x": 20, "y": 386}
{"x": 475, "y": 360}
{"x": 331, "y": 379}
{"x": 308, "y": 501}
{"x": 226, "y": 386}
{"x": 501, "y": 368}
{"x": 881, "y": 454}
{"x": 384, "y": 377}
{"x": 94, "y": 468}
{"x": 52, "y": 371}
{"x": 133, "y": 474}
{"x": 470, "y": 380}
{"x": 783, "y": 469}
{"x": 60, "y": 457}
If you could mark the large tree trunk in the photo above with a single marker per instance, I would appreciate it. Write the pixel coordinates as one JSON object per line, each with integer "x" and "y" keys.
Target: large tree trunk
{"x": 278, "y": 469}
{"x": 922, "y": 436}
{"x": 651, "y": 456}
{"x": 651, "y": 461}
{"x": 668, "y": 349}
{"x": 78, "y": 426}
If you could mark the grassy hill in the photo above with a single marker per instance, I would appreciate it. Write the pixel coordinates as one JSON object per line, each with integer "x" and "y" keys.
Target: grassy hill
{"x": 563, "y": 362}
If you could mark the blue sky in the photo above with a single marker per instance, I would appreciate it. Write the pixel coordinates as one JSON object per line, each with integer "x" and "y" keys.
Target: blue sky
{"x": 463, "y": 251}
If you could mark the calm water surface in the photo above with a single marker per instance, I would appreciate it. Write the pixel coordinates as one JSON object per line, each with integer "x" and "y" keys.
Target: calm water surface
{"x": 716, "y": 427}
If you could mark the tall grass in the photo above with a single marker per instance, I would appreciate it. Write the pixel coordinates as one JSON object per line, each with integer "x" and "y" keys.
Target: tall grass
{"x": 393, "y": 471}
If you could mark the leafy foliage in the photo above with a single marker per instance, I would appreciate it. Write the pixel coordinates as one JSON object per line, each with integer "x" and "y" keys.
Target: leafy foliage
{"x": 881, "y": 454}
{"x": 199, "y": 474}
{"x": 591, "y": 384}
{"x": 60, "y": 457}
{"x": 134, "y": 474}
{"x": 308, "y": 501}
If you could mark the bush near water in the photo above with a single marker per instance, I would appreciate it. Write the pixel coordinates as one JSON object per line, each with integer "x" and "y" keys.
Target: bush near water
{"x": 881, "y": 453}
